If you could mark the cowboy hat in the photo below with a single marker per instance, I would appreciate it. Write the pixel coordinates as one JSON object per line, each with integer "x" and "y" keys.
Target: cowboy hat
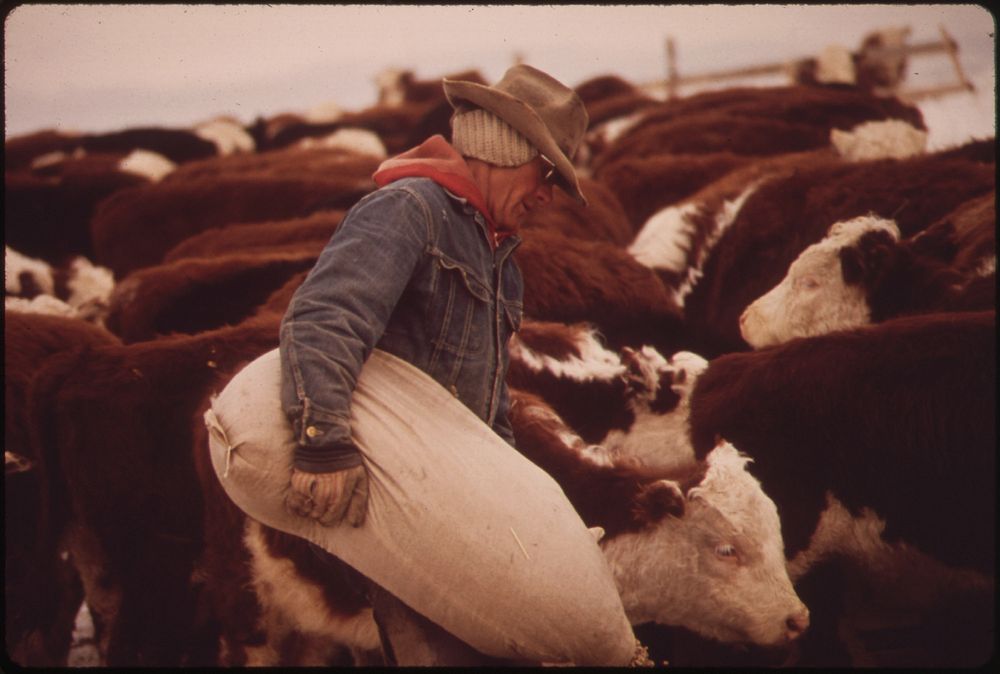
{"x": 549, "y": 114}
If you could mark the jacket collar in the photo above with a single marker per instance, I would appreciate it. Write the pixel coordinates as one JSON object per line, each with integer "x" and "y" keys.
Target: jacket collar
{"x": 436, "y": 159}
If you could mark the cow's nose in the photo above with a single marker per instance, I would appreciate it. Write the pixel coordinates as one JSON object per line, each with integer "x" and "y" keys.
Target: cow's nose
{"x": 797, "y": 624}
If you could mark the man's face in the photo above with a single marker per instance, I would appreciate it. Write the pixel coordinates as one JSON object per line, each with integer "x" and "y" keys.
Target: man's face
{"x": 517, "y": 191}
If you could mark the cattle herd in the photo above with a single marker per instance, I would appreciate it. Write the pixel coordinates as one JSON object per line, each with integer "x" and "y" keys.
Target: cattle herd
{"x": 761, "y": 365}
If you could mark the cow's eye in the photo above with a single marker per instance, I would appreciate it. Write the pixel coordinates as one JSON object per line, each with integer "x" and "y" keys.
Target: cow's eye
{"x": 725, "y": 551}
{"x": 809, "y": 282}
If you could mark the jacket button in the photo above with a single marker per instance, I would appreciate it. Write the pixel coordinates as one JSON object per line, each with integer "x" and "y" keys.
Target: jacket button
{"x": 311, "y": 431}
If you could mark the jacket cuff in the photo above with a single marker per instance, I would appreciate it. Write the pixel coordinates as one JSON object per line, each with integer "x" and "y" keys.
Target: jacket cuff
{"x": 326, "y": 458}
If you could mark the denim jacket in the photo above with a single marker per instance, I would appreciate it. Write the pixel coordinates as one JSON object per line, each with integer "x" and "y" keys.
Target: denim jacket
{"x": 411, "y": 270}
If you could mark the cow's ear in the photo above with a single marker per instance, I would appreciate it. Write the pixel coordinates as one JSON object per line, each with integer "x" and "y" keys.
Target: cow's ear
{"x": 937, "y": 242}
{"x": 865, "y": 260}
{"x": 667, "y": 399}
{"x": 657, "y": 500}
{"x": 634, "y": 377}
{"x": 851, "y": 265}
{"x": 630, "y": 359}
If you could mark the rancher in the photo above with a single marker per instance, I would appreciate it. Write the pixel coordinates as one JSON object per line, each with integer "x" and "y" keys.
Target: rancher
{"x": 422, "y": 268}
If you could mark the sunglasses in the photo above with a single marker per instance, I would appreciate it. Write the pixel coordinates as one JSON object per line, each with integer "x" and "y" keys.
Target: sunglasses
{"x": 549, "y": 176}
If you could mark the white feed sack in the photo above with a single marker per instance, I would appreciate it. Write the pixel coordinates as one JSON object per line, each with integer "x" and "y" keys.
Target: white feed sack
{"x": 460, "y": 526}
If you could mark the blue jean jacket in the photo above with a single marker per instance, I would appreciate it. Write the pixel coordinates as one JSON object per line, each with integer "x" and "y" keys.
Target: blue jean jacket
{"x": 410, "y": 270}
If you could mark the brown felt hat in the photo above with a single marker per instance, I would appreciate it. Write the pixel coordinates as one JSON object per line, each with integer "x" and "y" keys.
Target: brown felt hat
{"x": 545, "y": 111}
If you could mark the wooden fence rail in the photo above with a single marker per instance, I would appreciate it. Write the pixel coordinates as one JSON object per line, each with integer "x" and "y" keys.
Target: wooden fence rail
{"x": 947, "y": 45}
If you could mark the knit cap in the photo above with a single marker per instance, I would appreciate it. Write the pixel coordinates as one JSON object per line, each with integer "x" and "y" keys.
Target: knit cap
{"x": 480, "y": 134}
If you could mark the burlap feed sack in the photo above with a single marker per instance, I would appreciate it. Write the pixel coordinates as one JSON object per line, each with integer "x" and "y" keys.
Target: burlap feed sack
{"x": 460, "y": 526}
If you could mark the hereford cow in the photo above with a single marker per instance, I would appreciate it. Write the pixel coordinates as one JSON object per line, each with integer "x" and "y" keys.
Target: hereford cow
{"x": 879, "y": 139}
{"x": 191, "y": 295}
{"x": 754, "y": 121}
{"x": 145, "y": 163}
{"x": 628, "y": 405}
{"x": 275, "y": 598}
{"x": 861, "y": 273}
{"x": 80, "y": 164}
{"x": 392, "y": 123}
{"x": 356, "y": 141}
{"x": 895, "y": 424}
{"x": 881, "y": 60}
{"x": 677, "y": 239}
{"x": 878, "y": 66}
{"x": 112, "y": 428}
{"x": 783, "y": 216}
{"x": 631, "y": 512}
{"x": 611, "y": 104}
{"x": 42, "y": 589}
{"x": 644, "y": 185}
{"x": 277, "y": 236}
{"x": 39, "y": 304}
{"x": 609, "y": 96}
{"x": 47, "y": 211}
{"x": 30, "y": 339}
{"x": 829, "y": 107}
{"x": 136, "y": 227}
{"x": 651, "y": 528}
{"x": 79, "y": 289}
{"x": 263, "y": 130}
{"x": 22, "y": 150}
{"x": 863, "y": 396}
{"x": 301, "y": 162}
{"x": 716, "y": 131}
{"x": 228, "y": 135}
{"x": 177, "y": 145}
{"x": 571, "y": 280}
{"x": 408, "y": 112}
{"x": 396, "y": 125}
{"x": 217, "y": 136}
{"x": 26, "y": 276}
{"x": 402, "y": 86}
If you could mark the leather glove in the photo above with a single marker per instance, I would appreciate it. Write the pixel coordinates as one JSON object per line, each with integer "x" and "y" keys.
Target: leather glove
{"x": 329, "y": 497}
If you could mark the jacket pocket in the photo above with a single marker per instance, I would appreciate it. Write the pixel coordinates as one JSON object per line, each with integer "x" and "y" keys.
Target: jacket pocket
{"x": 514, "y": 312}
{"x": 460, "y": 305}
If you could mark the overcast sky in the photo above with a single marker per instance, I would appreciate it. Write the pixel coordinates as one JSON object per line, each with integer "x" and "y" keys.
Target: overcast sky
{"x": 103, "y": 67}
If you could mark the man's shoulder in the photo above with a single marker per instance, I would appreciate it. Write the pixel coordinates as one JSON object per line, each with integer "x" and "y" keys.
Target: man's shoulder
{"x": 419, "y": 184}
{"x": 420, "y": 192}
{"x": 426, "y": 190}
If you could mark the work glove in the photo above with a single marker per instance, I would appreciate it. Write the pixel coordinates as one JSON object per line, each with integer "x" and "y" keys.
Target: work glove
{"x": 329, "y": 497}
